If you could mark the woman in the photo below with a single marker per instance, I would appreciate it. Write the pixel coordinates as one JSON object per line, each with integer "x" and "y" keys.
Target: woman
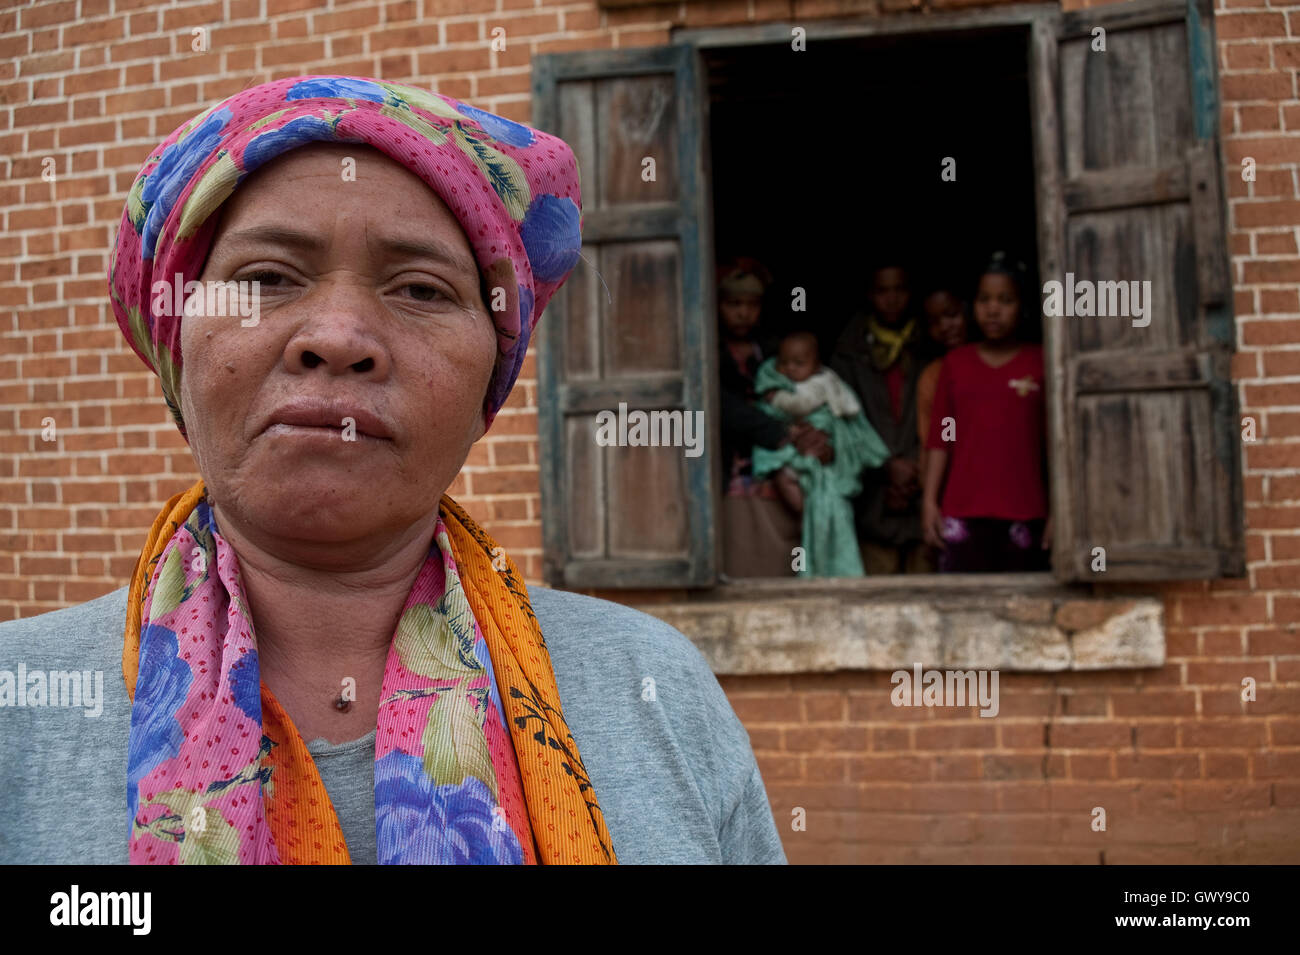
{"x": 760, "y": 531}
{"x": 329, "y": 661}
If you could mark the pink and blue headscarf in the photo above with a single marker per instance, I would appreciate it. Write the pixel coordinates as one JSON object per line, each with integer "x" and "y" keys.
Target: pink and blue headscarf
{"x": 514, "y": 190}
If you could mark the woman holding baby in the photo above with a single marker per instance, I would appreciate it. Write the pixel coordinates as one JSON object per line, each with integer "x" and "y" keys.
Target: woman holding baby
{"x": 760, "y": 530}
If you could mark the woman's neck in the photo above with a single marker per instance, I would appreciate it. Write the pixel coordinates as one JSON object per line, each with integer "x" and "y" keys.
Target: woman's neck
{"x": 320, "y": 629}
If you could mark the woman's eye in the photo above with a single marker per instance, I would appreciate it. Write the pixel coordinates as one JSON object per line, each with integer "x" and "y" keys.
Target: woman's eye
{"x": 265, "y": 277}
{"x": 423, "y": 293}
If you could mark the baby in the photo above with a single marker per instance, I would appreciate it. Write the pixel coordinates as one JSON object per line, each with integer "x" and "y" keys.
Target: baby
{"x": 814, "y": 386}
{"x": 796, "y": 388}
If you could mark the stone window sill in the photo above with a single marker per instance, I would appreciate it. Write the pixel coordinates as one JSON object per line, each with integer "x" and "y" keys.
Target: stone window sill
{"x": 1008, "y": 622}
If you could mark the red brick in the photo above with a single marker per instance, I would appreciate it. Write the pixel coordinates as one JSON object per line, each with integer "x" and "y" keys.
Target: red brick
{"x": 1286, "y": 795}
{"x": 1255, "y": 119}
{"x": 1212, "y": 797}
{"x": 635, "y": 38}
{"x": 1271, "y": 332}
{"x": 1012, "y": 766}
{"x": 292, "y": 53}
{"x": 1279, "y": 301}
{"x": 339, "y": 21}
{"x": 1286, "y": 55}
{"x": 506, "y": 481}
{"x": 979, "y": 735}
{"x": 1152, "y": 735}
{"x": 1081, "y": 766}
{"x": 1157, "y": 766}
{"x": 407, "y": 36}
{"x": 1238, "y": 87}
{"x": 831, "y": 769}
{"x": 1089, "y": 735}
{"x": 1246, "y": 56}
{"x": 1276, "y": 765}
{"x": 48, "y": 14}
{"x": 93, "y": 31}
{"x": 1154, "y": 703}
{"x": 1209, "y": 734}
{"x": 946, "y": 797}
{"x": 1272, "y": 271}
{"x": 824, "y": 739}
{"x": 825, "y": 707}
{"x": 1267, "y": 212}
{"x": 1226, "y": 609}
{"x": 954, "y": 766}
{"x": 732, "y": 11}
{"x": 1225, "y": 766}
{"x": 1268, "y": 642}
{"x": 1233, "y": 26}
{"x": 767, "y": 709}
{"x": 889, "y": 768}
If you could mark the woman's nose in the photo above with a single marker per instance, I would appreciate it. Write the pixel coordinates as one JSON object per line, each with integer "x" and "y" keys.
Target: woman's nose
{"x": 339, "y": 333}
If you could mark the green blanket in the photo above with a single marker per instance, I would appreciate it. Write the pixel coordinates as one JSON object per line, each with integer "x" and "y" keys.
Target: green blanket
{"x": 830, "y": 541}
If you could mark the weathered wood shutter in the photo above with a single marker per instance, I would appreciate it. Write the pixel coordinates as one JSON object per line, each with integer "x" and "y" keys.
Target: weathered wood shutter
{"x": 1143, "y": 421}
{"x": 645, "y": 336}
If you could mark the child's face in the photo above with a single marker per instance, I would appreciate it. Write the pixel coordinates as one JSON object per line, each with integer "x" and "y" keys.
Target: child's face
{"x": 947, "y": 319}
{"x": 997, "y": 307}
{"x": 889, "y": 295}
{"x": 739, "y": 315}
{"x": 797, "y": 360}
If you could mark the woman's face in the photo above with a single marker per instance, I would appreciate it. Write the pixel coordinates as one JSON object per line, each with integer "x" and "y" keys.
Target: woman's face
{"x": 739, "y": 315}
{"x": 369, "y": 303}
{"x": 997, "y": 306}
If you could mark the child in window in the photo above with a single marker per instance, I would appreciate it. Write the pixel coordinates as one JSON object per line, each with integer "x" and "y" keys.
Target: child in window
{"x": 878, "y": 356}
{"x": 945, "y": 315}
{"x": 759, "y": 531}
{"x": 796, "y": 387}
{"x": 987, "y": 440}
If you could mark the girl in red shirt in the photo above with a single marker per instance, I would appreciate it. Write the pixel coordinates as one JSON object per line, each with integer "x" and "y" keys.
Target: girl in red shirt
{"x": 987, "y": 441}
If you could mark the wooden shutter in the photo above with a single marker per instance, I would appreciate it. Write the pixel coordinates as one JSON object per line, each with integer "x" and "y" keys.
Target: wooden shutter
{"x": 1143, "y": 422}
{"x": 644, "y": 336}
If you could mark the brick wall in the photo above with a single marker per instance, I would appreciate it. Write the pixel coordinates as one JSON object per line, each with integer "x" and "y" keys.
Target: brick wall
{"x": 1184, "y": 769}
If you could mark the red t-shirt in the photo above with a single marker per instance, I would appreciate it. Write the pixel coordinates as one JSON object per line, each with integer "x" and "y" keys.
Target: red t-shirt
{"x": 995, "y": 464}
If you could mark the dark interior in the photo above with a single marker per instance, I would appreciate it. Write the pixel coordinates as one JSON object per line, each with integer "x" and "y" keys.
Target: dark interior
{"x": 826, "y": 162}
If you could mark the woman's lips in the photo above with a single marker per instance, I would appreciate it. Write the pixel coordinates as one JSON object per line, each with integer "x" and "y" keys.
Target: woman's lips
{"x": 330, "y": 416}
{"x": 320, "y": 433}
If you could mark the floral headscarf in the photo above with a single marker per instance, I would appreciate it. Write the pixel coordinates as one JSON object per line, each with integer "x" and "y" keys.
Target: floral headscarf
{"x": 514, "y": 190}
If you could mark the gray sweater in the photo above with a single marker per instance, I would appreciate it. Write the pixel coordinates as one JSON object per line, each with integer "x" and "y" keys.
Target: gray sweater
{"x": 675, "y": 776}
